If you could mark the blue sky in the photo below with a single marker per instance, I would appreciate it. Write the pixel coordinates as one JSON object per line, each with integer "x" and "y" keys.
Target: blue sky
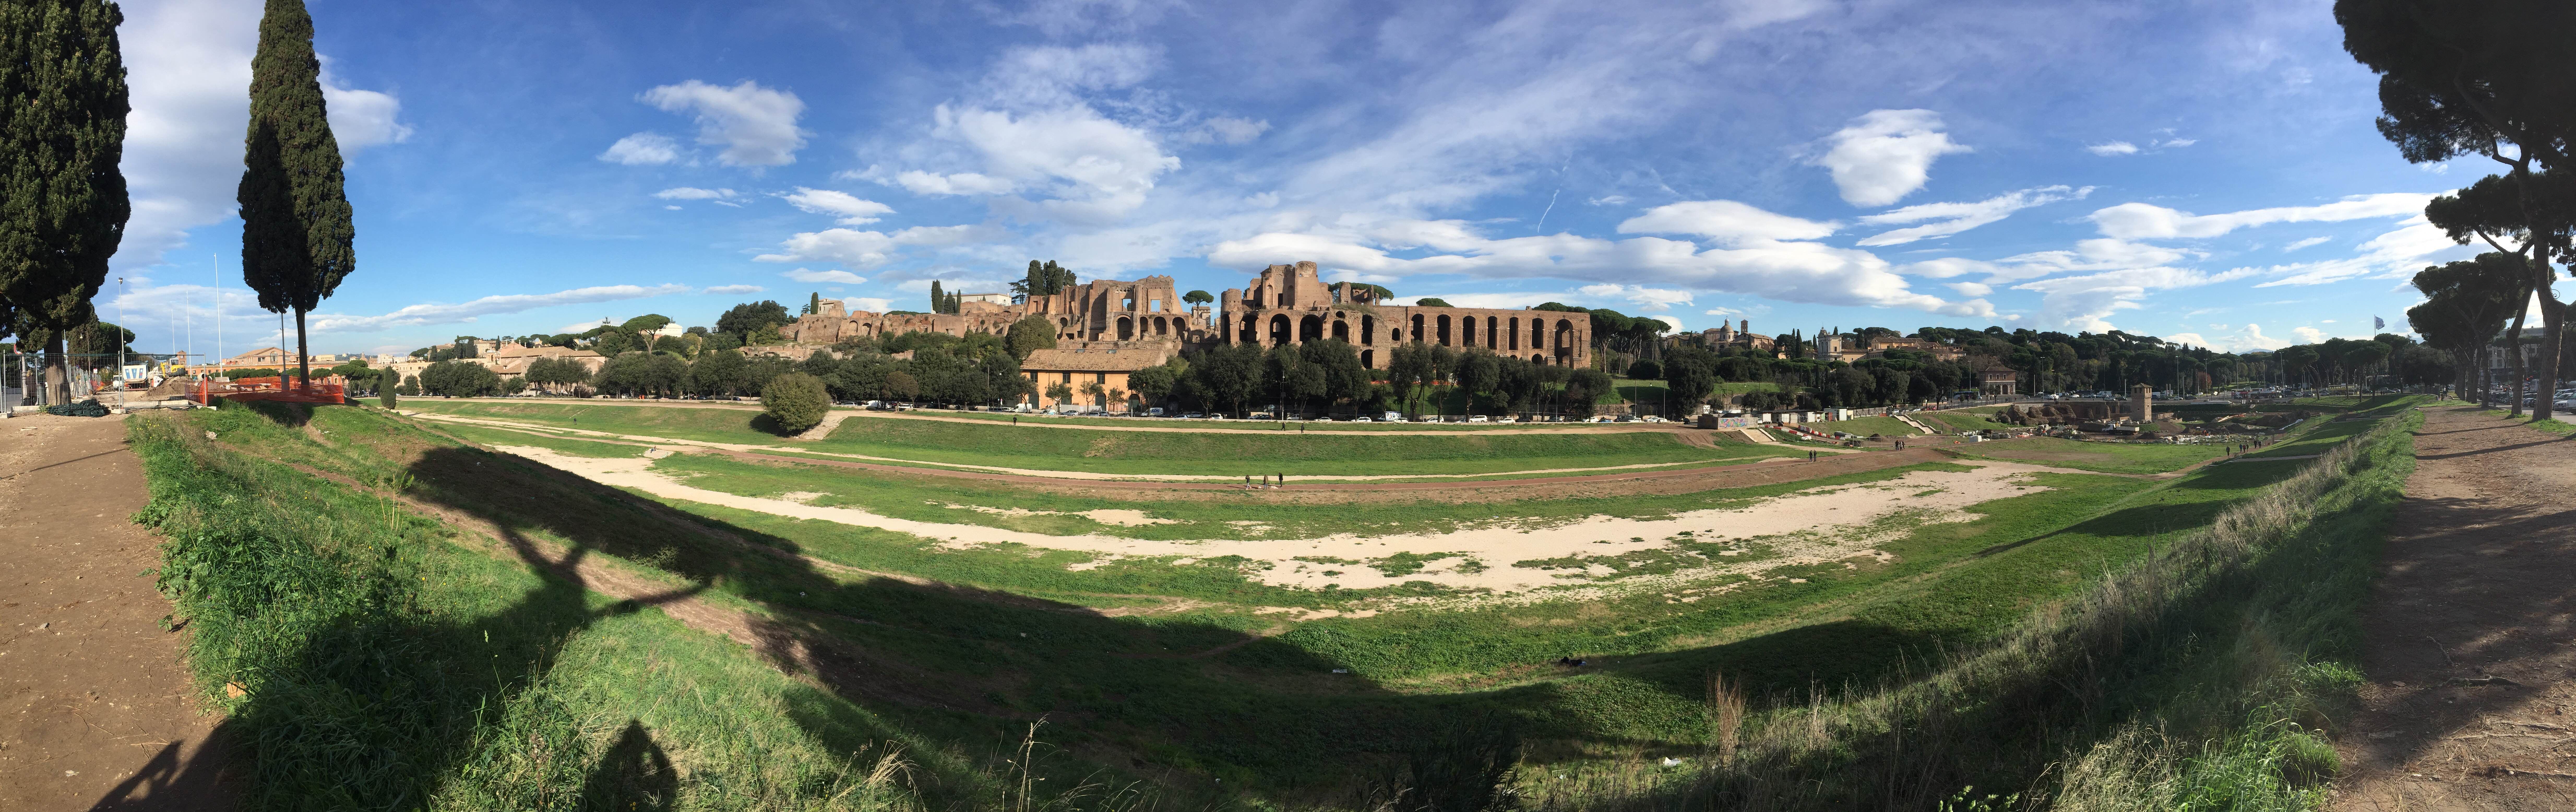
{"x": 2205, "y": 171}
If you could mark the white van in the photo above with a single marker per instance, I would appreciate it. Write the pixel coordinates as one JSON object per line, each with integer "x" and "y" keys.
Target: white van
{"x": 1392, "y": 417}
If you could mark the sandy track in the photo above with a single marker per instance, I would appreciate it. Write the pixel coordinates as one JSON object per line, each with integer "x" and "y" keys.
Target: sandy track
{"x": 2473, "y": 585}
{"x": 1817, "y": 525}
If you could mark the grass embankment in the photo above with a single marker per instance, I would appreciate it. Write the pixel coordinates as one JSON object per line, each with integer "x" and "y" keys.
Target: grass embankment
{"x": 1216, "y": 692}
{"x": 367, "y": 659}
{"x": 1962, "y": 420}
{"x": 1143, "y": 453}
{"x": 2109, "y": 458}
{"x": 2552, "y": 425}
{"x": 2200, "y": 677}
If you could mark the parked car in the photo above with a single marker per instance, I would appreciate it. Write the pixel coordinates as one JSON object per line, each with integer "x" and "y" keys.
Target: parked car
{"x": 1479, "y": 419}
{"x": 1359, "y": 420}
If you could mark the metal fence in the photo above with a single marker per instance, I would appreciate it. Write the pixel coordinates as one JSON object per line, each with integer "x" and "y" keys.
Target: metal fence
{"x": 22, "y": 374}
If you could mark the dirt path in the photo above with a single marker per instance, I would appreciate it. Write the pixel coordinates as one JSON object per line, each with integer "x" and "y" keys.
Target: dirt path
{"x": 96, "y": 709}
{"x": 2469, "y": 659}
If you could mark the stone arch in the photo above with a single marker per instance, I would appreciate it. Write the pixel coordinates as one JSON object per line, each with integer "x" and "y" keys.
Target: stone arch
{"x": 1443, "y": 334}
{"x": 1310, "y": 328}
{"x": 1564, "y": 342}
{"x": 1368, "y": 330}
{"x": 1341, "y": 329}
{"x": 1126, "y": 328}
{"x": 1249, "y": 332}
{"x": 1467, "y": 331}
{"x": 1279, "y": 330}
{"x": 1514, "y": 342}
{"x": 1492, "y": 341}
{"x": 1417, "y": 329}
{"x": 1368, "y": 359}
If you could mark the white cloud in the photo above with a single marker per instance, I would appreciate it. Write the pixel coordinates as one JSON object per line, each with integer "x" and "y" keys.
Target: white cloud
{"x": 1094, "y": 170}
{"x": 1952, "y": 218}
{"x": 1608, "y": 200}
{"x": 2309, "y": 335}
{"x": 1236, "y": 130}
{"x": 1885, "y": 155}
{"x": 868, "y": 304}
{"x": 869, "y": 249}
{"x": 1971, "y": 288}
{"x": 642, "y": 149}
{"x": 2395, "y": 254}
{"x": 2177, "y": 143}
{"x": 1653, "y": 300}
{"x": 428, "y": 314}
{"x": 2136, "y": 221}
{"x": 2304, "y": 243}
{"x": 729, "y": 290}
{"x": 186, "y": 67}
{"x": 852, "y": 210}
{"x": 2086, "y": 302}
{"x": 575, "y": 328}
{"x": 361, "y": 118}
{"x": 1761, "y": 264}
{"x": 1053, "y": 76}
{"x": 694, "y": 193}
{"x": 1725, "y": 222}
{"x": 962, "y": 183}
{"x": 2112, "y": 148}
{"x": 844, "y": 277}
{"x": 755, "y": 125}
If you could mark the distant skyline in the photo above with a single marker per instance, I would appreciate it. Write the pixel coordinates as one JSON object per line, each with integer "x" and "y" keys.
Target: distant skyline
{"x": 2207, "y": 172}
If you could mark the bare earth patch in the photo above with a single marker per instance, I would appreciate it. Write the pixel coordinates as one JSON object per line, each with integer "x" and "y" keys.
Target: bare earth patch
{"x": 1823, "y": 524}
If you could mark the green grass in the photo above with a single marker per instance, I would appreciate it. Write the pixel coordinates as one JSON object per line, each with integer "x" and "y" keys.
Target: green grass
{"x": 1962, "y": 420}
{"x": 1213, "y": 692}
{"x": 383, "y": 662}
{"x": 2552, "y": 425}
{"x": 1146, "y": 453}
{"x": 2109, "y": 458}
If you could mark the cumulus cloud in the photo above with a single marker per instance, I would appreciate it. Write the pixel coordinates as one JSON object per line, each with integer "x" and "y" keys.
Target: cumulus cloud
{"x": 2112, "y": 148}
{"x": 1652, "y": 300}
{"x": 866, "y": 304}
{"x": 2139, "y": 221}
{"x": 694, "y": 193}
{"x": 852, "y": 210}
{"x": 961, "y": 183}
{"x": 728, "y": 290}
{"x": 1091, "y": 170}
{"x": 755, "y": 126}
{"x": 642, "y": 149}
{"x": 2309, "y": 335}
{"x": 186, "y": 66}
{"x": 1885, "y": 155}
{"x": 844, "y": 277}
{"x": 1952, "y": 218}
{"x": 869, "y": 249}
{"x": 1756, "y": 256}
{"x": 361, "y": 118}
{"x": 2086, "y": 302}
{"x": 427, "y": 314}
{"x": 1725, "y": 222}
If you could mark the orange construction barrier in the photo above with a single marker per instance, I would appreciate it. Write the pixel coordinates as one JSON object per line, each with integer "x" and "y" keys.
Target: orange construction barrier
{"x": 286, "y": 390}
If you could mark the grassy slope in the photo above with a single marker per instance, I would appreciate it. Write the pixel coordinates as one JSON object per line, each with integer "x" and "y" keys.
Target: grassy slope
{"x": 1128, "y": 452}
{"x": 2109, "y": 458}
{"x": 514, "y": 687}
{"x": 1268, "y": 711}
{"x": 1958, "y": 420}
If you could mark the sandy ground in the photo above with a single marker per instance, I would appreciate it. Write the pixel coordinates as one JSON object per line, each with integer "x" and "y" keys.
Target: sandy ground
{"x": 1821, "y": 524}
{"x": 96, "y": 707}
{"x": 1086, "y": 475}
{"x": 2470, "y": 634}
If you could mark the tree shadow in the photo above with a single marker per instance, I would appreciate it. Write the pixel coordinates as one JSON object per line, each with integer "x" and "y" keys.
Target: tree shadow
{"x": 635, "y": 775}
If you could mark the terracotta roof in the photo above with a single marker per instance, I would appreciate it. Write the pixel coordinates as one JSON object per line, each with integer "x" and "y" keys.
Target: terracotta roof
{"x": 1099, "y": 360}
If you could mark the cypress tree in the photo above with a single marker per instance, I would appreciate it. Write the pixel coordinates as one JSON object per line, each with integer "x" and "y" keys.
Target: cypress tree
{"x": 938, "y": 303}
{"x": 296, "y": 231}
{"x": 62, "y": 198}
{"x": 813, "y": 303}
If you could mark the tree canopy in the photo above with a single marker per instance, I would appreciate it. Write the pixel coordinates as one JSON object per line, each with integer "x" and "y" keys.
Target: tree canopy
{"x": 63, "y": 205}
{"x": 298, "y": 234}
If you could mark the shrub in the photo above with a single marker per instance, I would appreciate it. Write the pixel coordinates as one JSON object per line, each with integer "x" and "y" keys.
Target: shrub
{"x": 386, "y": 396}
{"x": 796, "y": 401}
